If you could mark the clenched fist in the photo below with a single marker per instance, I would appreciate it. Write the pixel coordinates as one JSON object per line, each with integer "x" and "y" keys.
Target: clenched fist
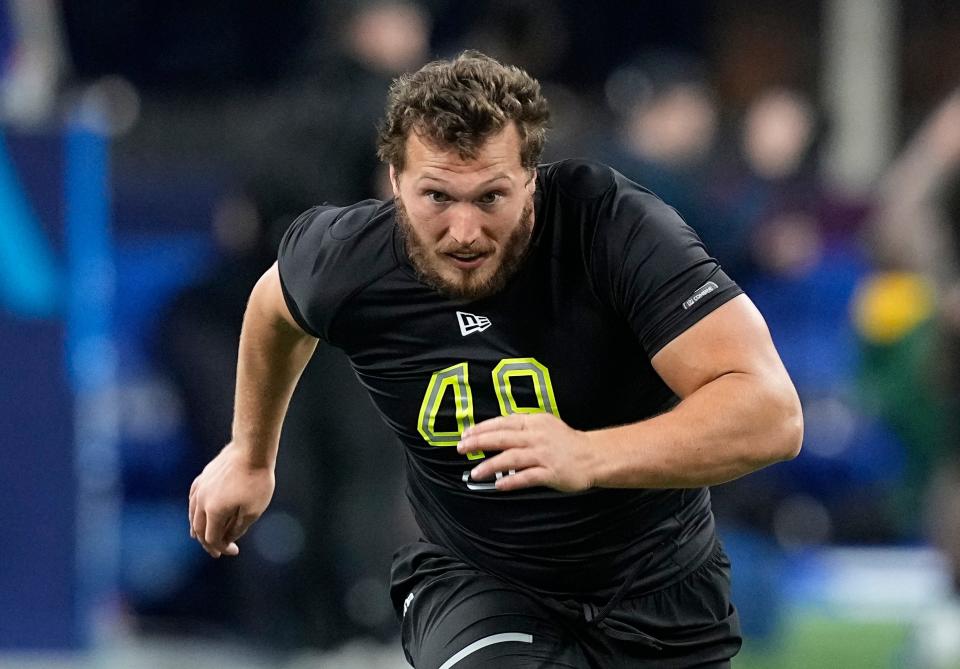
{"x": 225, "y": 500}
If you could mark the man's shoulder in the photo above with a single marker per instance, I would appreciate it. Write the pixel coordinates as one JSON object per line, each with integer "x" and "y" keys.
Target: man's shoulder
{"x": 336, "y": 223}
{"x": 578, "y": 178}
{"x": 603, "y": 196}
{"x": 329, "y": 253}
{"x": 361, "y": 233}
{"x": 584, "y": 179}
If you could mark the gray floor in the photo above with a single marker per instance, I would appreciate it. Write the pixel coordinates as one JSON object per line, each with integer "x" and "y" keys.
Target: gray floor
{"x": 177, "y": 653}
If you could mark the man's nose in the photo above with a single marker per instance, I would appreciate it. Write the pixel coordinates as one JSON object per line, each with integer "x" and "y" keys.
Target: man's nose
{"x": 465, "y": 225}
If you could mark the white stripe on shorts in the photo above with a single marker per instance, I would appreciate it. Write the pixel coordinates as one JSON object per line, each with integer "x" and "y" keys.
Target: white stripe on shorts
{"x": 487, "y": 641}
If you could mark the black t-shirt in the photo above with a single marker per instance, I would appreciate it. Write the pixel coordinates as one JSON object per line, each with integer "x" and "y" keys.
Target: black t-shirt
{"x": 612, "y": 276}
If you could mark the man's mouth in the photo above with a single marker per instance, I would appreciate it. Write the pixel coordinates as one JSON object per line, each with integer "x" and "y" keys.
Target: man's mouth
{"x": 467, "y": 260}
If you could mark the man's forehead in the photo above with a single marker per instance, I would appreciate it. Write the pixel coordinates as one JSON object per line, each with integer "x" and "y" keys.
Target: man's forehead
{"x": 499, "y": 153}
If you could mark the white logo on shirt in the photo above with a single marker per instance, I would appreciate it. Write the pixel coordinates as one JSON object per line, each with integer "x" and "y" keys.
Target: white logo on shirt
{"x": 699, "y": 293}
{"x": 470, "y": 323}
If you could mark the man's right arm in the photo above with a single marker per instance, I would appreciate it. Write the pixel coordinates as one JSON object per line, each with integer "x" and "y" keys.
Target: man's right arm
{"x": 235, "y": 488}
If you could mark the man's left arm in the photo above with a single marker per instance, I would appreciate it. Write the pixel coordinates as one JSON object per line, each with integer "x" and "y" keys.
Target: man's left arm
{"x": 738, "y": 412}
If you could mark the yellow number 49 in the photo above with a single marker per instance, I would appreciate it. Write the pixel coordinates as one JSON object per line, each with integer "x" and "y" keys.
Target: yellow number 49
{"x": 456, "y": 378}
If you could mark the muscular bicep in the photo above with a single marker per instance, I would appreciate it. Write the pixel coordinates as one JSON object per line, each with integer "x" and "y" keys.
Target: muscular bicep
{"x": 733, "y": 339}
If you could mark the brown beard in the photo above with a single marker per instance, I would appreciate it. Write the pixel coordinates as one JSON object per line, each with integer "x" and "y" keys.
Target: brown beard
{"x": 514, "y": 252}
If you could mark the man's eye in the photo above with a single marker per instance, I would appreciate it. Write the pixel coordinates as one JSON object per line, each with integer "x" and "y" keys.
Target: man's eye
{"x": 437, "y": 196}
{"x": 490, "y": 198}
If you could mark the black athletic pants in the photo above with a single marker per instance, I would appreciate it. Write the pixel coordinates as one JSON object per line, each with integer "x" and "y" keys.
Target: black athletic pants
{"x": 457, "y": 617}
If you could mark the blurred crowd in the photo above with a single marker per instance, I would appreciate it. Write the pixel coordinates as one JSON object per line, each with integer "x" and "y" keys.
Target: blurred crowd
{"x": 228, "y": 119}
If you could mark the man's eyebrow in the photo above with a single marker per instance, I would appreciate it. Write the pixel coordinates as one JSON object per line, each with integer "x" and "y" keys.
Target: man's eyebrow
{"x": 498, "y": 177}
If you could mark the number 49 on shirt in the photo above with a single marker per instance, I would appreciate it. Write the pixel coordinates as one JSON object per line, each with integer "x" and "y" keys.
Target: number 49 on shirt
{"x": 456, "y": 380}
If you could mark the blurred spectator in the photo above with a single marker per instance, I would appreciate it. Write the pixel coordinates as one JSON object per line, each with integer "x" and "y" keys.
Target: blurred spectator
{"x": 766, "y": 196}
{"x": 316, "y": 141}
{"x": 389, "y": 37}
{"x": 532, "y": 34}
{"x": 667, "y": 131}
{"x": 32, "y": 59}
{"x": 917, "y": 233}
{"x": 912, "y": 229}
{"x": 798, "y": 249}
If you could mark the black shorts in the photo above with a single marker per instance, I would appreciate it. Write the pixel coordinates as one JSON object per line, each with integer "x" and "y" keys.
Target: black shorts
{"x": 456, "y": 616}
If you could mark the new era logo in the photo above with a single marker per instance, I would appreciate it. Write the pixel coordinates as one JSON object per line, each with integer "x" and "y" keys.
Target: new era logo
{"x": 470, "y": 323}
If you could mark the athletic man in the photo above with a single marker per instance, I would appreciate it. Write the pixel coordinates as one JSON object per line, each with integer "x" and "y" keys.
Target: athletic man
{"x": 565, "y": 365}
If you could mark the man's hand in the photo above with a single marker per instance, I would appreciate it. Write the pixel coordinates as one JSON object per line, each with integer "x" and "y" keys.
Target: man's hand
{"x": 225, "y": 500}
{"x": 540, "y": 448}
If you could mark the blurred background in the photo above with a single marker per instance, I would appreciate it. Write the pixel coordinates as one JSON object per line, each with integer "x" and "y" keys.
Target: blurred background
{"x": 152, "y": 153}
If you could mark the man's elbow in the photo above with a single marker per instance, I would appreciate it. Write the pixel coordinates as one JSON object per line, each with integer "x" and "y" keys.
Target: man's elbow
{"x": 788, "y": 437}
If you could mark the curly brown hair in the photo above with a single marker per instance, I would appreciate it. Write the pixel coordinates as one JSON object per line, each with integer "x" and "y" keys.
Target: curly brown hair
{"x": 459, "y": 103}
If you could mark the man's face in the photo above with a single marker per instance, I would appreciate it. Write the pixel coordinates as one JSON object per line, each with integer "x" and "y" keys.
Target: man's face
{"x": 466, "y": 223}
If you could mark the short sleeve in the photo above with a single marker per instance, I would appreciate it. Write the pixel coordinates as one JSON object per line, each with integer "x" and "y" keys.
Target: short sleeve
{"x": 300, "y": 262}
{"x": 653, "y": 268}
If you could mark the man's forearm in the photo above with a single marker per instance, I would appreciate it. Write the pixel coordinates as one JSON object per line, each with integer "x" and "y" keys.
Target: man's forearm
{"x": 729, "y": 427}
{"x": 273, "y": 354}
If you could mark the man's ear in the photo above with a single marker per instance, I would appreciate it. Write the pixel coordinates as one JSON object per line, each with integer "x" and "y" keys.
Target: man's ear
{"x": 394, "y": 181}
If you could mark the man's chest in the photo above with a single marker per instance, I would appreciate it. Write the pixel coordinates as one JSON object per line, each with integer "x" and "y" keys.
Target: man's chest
{"x": 434, "y": 367}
